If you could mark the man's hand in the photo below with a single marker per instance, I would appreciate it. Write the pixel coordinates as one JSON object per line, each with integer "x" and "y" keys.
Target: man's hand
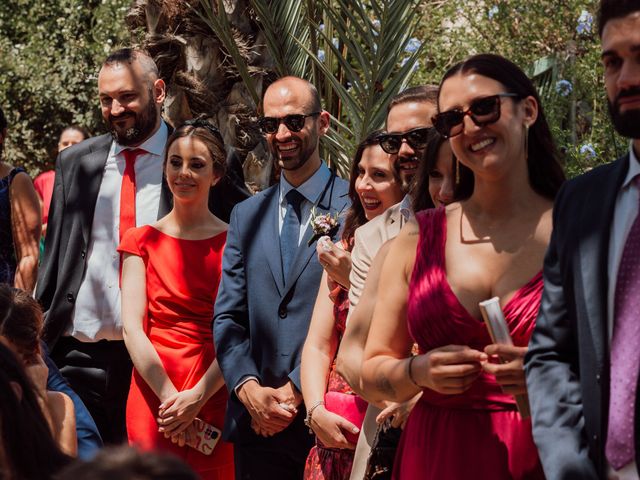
{"x": 268, "y": 411}
{"x": 289, "y": 395}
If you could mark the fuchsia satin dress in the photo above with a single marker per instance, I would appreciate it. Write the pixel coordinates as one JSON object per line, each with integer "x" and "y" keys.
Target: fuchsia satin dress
{"x": 478, "y": 434}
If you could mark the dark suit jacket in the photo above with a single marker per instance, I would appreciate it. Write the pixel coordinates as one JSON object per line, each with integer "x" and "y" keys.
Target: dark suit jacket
{"x": 79, "y": 171}
{"x": 261, "y": 322}
{"x": 567, "y": 364}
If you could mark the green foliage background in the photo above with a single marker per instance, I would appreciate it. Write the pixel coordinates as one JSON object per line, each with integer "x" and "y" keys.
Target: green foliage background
{"x": 50, "y": 54}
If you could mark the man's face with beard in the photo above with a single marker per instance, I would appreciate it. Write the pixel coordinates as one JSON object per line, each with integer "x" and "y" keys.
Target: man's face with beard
{"x": 129, "y": 102}
{"x": 621, "y": 60}
{"x": 402, "y": 118}
{"x": 296, "y": 152}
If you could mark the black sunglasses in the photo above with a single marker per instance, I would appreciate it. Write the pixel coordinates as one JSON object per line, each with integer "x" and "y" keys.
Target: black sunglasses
{"x": 483, "y": 111}
{"x": 416, "y": 138}
{"x": 294, "y": 122}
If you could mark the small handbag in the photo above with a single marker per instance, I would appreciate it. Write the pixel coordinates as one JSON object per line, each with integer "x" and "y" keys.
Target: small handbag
{"x": 382, "y": 456}
{"x": 350, "y": 407}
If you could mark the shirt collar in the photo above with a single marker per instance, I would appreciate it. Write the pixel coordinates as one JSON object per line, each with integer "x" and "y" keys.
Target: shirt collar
{"x": 155, "y": 144}
{"x": 311, "y": 189}
{"x": 406, "y": 210}
{"x": 634, "y": 168}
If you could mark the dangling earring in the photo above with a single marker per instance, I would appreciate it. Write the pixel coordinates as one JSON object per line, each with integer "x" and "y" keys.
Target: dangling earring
{"x": 457, "y": 171}
{"x": 526, "y": 141}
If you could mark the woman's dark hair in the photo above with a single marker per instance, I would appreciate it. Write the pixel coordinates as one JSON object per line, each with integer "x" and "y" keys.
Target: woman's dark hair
{"x": 78, "y": 128}
{"x": 21, "y": 321}
{"x": 208, "y": 134}
{"x": 27, "y": 444}
{"x": 611, "y": 9}
{"x": 420, "y": 198}
{"x": 355, "y": 216}
{"x": 545, "y": 173}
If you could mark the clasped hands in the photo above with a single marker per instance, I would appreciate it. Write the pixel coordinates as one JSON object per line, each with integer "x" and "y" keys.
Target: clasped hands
{"x": 177, "y": 414}
{"x": 335, "y": 260}
{"x": 271, "y": 409}
{"x": 453, "y": 368}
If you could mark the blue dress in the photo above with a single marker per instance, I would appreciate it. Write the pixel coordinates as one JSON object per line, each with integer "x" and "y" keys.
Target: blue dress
{"x": 7, "y": 250}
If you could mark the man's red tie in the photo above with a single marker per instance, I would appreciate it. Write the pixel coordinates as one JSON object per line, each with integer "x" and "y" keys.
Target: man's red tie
{"x": 128, "y": 195}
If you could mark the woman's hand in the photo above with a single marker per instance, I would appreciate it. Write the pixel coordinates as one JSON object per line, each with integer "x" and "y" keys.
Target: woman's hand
{"x": 329, "y": 427}
{"x": 448, "y": 370}
{"x": 335, "y": 260}
{"x": 509, "y": 375}
{"x": 178, "y": 412}
{"x": 185, "y": 437}
{"x": 397, "y": 412}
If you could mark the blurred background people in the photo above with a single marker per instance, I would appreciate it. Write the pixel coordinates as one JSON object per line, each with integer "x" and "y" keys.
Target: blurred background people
{"x": 490, "y": 243}
{"x": 126, "y": 463}
{"x": 27, "y": 447}
{"x": 335, "y": 411}
{"x": 170, "y": 278}
{"x": 21, "y": 330}
{"x": 19, "y": 222}
{"x": 43, "y": 183}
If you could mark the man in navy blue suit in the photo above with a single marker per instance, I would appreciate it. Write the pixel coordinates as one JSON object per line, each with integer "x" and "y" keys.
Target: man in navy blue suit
{"x": 270, "y": 280}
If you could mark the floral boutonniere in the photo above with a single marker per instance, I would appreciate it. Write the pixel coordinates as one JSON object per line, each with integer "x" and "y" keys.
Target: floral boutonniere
{"x": 323, "y": 224}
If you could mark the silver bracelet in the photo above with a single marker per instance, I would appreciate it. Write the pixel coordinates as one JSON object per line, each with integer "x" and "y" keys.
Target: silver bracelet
{"x": 307, "y": 420}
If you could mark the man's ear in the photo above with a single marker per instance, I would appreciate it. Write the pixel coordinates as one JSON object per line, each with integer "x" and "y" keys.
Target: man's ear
{"x": 324, "y": 121}
{"x": 159, "y": 90}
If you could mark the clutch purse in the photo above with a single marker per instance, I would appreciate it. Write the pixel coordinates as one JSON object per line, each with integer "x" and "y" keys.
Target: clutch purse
{"x": 350, "y": 407}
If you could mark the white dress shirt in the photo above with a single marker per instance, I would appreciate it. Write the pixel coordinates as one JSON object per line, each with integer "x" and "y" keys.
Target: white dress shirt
{"x": 626, "y": 210}
{"x": 96, "y": 314}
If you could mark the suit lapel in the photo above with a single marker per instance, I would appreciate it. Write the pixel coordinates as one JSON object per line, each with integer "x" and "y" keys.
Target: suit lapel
{"x": 305, "y": 251}
{"x": 596, "y": 222}
{"x": 271, "y": 232}
{"x": 91, "y": 171}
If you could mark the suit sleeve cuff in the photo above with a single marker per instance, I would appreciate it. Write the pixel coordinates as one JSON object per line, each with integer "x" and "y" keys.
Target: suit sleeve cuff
{"x": 244, "y": 380}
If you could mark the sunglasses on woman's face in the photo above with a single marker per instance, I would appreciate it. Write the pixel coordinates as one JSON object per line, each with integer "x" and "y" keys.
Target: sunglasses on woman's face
{"x": 294, "y": 122}
{"x": 483, "y": 111}
{"x": 416, "y": 138}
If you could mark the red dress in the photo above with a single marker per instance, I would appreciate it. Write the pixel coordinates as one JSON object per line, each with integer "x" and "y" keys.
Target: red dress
{"x": 479, "y": 433}
{"x": 182, "y": 284}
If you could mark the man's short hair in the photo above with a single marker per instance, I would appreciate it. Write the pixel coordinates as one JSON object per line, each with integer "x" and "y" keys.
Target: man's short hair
{"x": 130, "y": 55}
{"x": 315, "y": 103}
{"x": 611, "y": 9}
{"x": 420, "y": 94}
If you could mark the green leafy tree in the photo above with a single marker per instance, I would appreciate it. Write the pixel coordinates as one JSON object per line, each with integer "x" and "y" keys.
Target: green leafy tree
{"x": 51, "y": 53}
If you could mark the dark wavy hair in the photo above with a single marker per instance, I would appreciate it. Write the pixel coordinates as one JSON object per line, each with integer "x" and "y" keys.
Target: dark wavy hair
{"x": 355, "y": 216}
{"x": 27, "y": 443}
{"x": 611, "y": 9}
{"x": 208, "y": 134}
{"x": 21, "y": 321}
{"x": 420, "y": 198}
{"x": 545, "y": 172}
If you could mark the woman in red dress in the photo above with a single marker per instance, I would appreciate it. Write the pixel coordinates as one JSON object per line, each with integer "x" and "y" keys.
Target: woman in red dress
{"x": 374, "y": 187}
{"x": 171, "y": 272}
{"x": 491, "y": 243}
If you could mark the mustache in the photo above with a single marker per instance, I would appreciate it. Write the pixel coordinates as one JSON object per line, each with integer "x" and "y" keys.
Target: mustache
{"x": 121, "y": 117}
{"x": 629, "y": 92}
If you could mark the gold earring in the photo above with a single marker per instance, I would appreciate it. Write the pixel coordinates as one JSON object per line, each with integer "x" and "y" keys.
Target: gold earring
{"x": 457, "y": 170}
{"x": 526, "y": 141}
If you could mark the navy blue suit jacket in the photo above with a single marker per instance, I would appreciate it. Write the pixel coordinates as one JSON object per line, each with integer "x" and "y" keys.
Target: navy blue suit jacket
{"x": 261, "y": 321}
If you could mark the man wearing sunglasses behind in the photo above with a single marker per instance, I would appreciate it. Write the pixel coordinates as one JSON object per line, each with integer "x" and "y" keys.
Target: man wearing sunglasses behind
{"x": 408, "y": 123}
{"x": 269, "y": 284}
